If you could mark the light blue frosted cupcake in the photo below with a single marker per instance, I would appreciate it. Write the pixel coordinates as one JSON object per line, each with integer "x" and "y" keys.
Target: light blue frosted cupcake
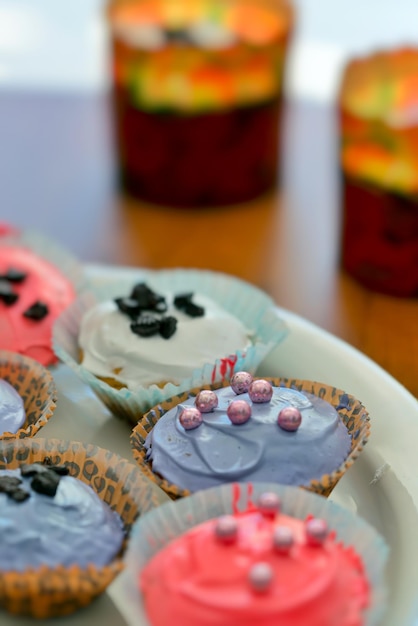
{"x": 201, "y": 328}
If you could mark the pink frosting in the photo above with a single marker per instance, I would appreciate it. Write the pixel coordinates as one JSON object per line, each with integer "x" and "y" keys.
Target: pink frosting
{"x": 44, "y": 283}
{"x": 199, "y": 580}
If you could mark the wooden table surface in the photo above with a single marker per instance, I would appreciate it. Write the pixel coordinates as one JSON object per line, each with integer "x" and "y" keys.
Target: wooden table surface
{"x": 57, "y": 175}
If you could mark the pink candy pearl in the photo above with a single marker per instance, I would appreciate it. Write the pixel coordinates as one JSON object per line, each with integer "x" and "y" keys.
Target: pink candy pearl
{"x": 260, "y": 391}
{"x": 206, "y": 401}
{"x": 290, "y": 418}
{"x": 316, "y": 530}
{"x": 283, "y": 539}
{"x": 269, "y": 504}
{"x": 261, "y": 576}
{"x": 239, "y": 411}
{"x": 240, "y": 382}
{"x": 190, "y": 418}
{"x": 226, "y": 529}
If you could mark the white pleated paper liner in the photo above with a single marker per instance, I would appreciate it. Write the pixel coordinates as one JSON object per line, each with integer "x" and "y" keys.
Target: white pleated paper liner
{"x": 50, "y": 250}
{"x": 156, "y": 529}
{"x": 253, "y": 307}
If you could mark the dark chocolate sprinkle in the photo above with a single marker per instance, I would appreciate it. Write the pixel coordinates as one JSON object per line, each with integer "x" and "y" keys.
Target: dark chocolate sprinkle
{"x": 168, "y": 326}
{"x": 61, "y": 470}
{"x": 28, "y": 470}
{"x": 46, "y": 483}
{"x": 129, "y": 306}
{"x": 194, "y": 310}
{"x": 9, "y": 483}
{"x": 146, "y": 326}
{"x": 37, "y": 311}
{"x": 19, "y": 495}
{"x": 182, "y": 300}
{"x": 7, "y": 295}
{"x": 14, "y": 275}
{"x": 147, "y": 299}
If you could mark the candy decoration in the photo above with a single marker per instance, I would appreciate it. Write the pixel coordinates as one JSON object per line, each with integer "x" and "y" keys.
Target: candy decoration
{"x": 269, "y": 504}
{"x": 129, "y": 306}
{"x": 260, "y": 391}
{"x": 206, "y": 401}
{"x": 239, "y": 412}
{"x": 316, "y": 531}
{"x": 240, "y": 382}
{"x": 168, "y": 326}
{"x": 7, "y": 295}
{"x": 184, "y": 303}
{"x": 37, "y": 311}
{"x": 283, "y": 539}
{"x": 260, "y": 577}
{"x": 290, "y": 418}
{"x": 190, "y": 418}
{"x": 146, "y": 326}
{"x": 226, "y": 529}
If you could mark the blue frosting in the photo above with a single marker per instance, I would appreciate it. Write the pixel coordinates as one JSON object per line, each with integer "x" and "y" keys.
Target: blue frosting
{"x": 73, "y": 527}
{"x": 12, "y": 410}
{"x": 259, "y": 450}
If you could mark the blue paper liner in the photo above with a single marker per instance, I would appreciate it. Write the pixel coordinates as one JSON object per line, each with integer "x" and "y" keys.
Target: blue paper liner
{"x": 253, "y": 307}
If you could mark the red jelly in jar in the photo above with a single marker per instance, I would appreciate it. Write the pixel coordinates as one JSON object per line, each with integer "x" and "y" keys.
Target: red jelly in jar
{"x": 379, "y": 160}
{"x": 197, "y": 97}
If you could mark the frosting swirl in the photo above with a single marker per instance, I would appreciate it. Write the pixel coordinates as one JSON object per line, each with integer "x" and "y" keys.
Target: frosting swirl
{"x": 43, "y": 283}
{"x": 111, "y": 350}
{"x": 73, "y": 527}
{"x": 206, "y": 580}
{"x": 258, "y": 450}
{"x": 12, "y": 410}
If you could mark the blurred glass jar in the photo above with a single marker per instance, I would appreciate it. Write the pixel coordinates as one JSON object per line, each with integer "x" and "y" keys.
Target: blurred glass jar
{"x": 379, "y": 160}
{"x": 197, "y": 88}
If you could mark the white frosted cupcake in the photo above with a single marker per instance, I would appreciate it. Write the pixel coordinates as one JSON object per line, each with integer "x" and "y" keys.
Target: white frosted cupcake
{"x": 140, "y": 341}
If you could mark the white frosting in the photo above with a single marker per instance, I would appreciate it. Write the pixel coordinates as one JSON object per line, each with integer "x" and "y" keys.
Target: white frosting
{"x": 108, "y": 344}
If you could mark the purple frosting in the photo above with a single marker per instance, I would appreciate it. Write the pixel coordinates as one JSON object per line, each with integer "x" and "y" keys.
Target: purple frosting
{"x": 72, "y": 528}
{"x": 12, "y": 410}
{"x": 259, "y": 450}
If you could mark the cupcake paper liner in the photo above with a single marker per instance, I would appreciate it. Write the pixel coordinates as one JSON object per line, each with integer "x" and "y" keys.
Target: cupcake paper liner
{"x": 52, "y": 592}
{"x": 156, "y": 529}
{"x": 249, "y": 304}
{"x": 35, "y": 385}
{"x": 351, "y": 411}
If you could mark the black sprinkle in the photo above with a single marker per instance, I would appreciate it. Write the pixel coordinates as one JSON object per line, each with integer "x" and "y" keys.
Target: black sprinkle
{"x": 37, "y": 311}
{"x": 19, "y": 495}
{"x": 182, "y": 300}
{"x": 146, "y": 326}
{"x": 147, "y": 299}
{"x": 168, "y": 326}
{"x": 46, "y": 483}
{"x": 129, "y": 306}
{"x": 7, "y": 295}
{"x": 184, "y": 303}
{"x": 61, "y": 470}
{"x": 14, "y": 275}
{"x": 194, "y": 310}
{"x": 9, "y": 483}
{"x": 28, "y": 470}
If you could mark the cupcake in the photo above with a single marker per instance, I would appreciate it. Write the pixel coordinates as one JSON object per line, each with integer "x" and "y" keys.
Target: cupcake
{"x": 37, "y": 282}
{"x": 68, "y": 508}
{"x": 138, "y": 343}
{"x": 264, "y": 554}
{"x": 27, "y": 396}
{"x": 293, "y": 432}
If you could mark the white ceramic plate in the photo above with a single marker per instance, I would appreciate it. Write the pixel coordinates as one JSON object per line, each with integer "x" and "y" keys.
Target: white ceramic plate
{"x": 382, "y": 486}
